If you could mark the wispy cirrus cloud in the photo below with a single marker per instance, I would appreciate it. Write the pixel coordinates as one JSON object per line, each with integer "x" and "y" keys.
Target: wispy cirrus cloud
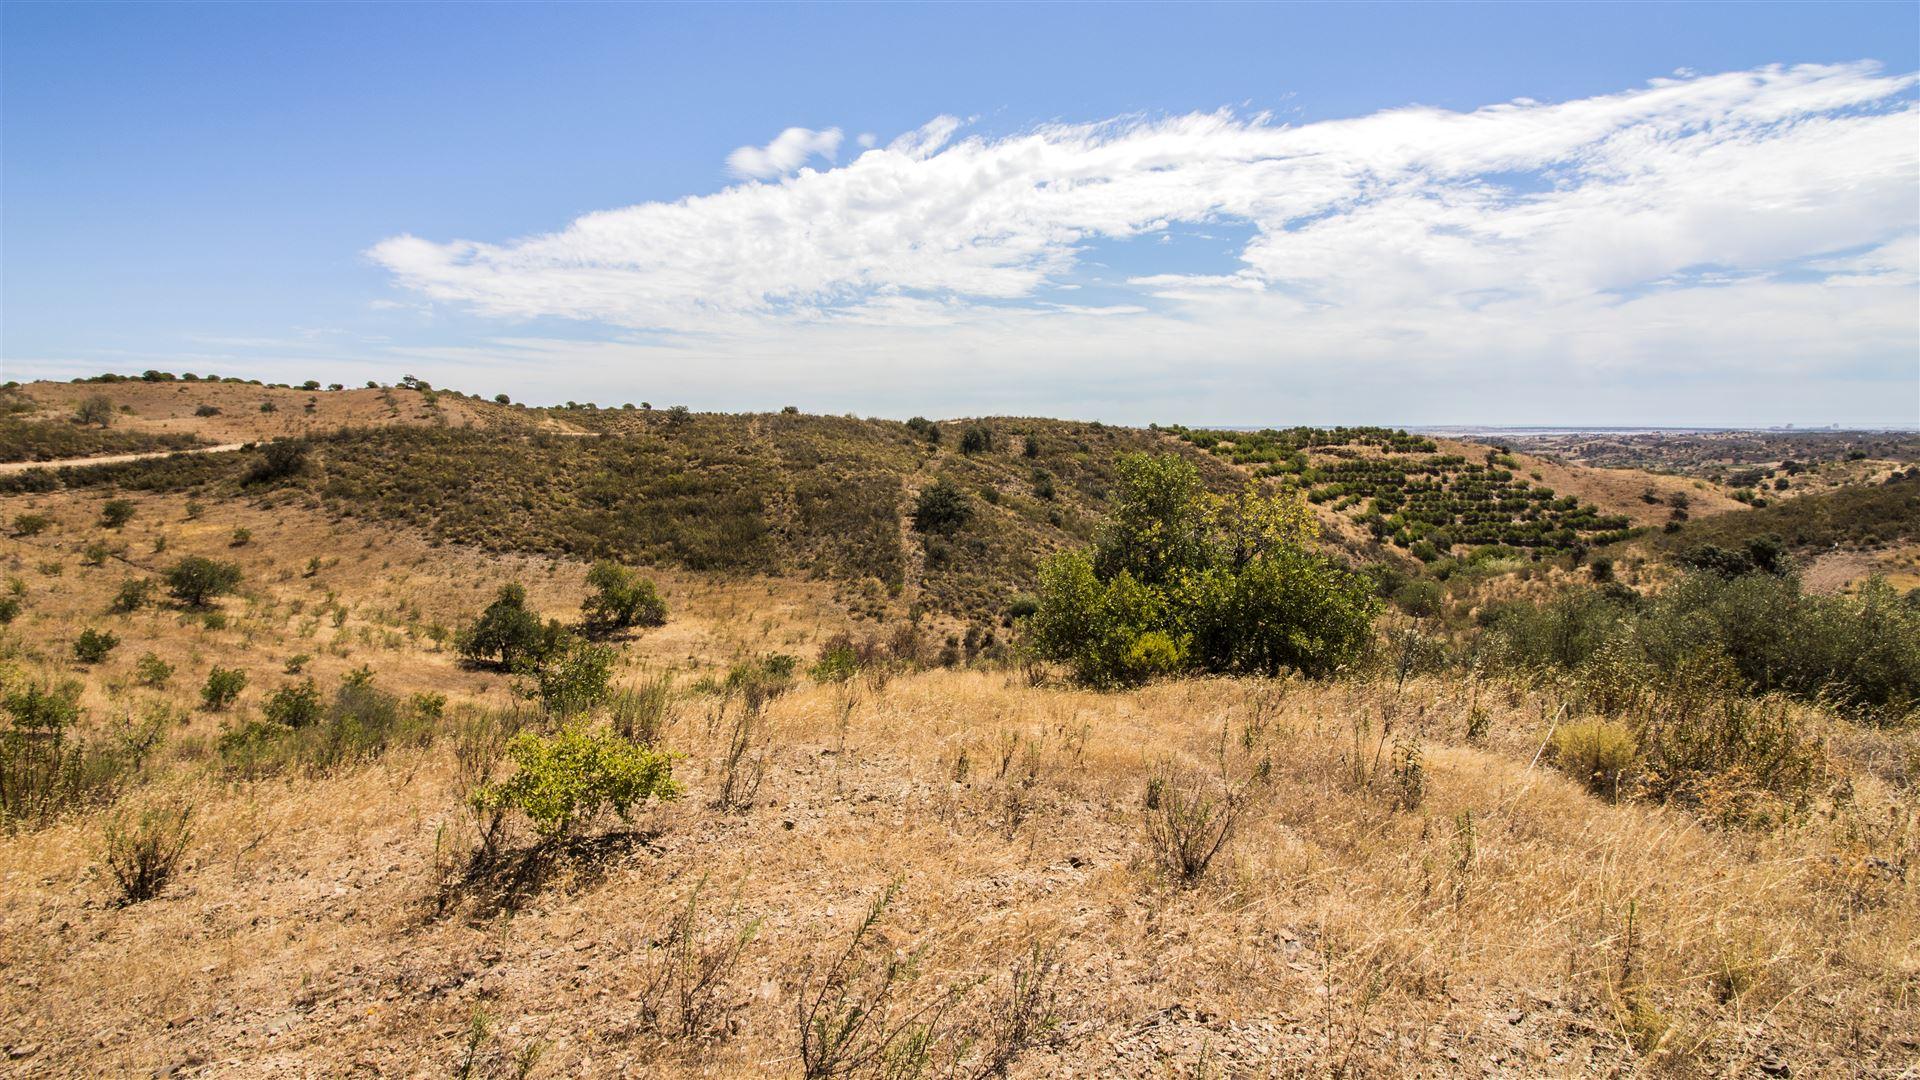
{"x": 1764, "y": 217}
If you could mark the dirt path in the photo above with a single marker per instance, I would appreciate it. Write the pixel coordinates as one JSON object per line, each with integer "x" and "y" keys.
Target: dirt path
{"x": 112, "y": 459}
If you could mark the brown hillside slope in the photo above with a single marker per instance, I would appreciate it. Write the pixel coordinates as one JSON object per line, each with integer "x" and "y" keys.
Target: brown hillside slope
{"x": 1509, "y": 923}
{"x": 171, "y": 407}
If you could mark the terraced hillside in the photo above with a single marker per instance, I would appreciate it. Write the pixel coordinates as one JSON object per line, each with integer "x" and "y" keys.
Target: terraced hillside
{"x": 1419, "y": 495}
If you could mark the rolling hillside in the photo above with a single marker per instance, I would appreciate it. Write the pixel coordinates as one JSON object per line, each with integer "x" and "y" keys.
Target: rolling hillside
{"x": 1417, "y": 876}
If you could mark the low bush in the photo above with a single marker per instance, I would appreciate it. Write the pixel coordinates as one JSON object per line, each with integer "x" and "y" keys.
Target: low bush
{"x": 359, "y": 724}
{"x": 45, "y": 770}
{"x": 568, "y": 677}
{"x": 941, "y": 509}
{"x": 134, "y": 594}
{"x": 153, "y": 672}
{"x": 293, "y": 706}
{"x": 143, "y": 850}
{"x": 278, "y": 460}
{"x": 1859, "y": 653}
{"x": 92, "y": 646}
{"x": 26, "y": 525}
{"x": 566, "y": 780}
{"x": 222, "y": 688}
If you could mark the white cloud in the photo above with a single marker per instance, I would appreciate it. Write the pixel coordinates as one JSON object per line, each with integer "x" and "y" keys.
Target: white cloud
{"x": 1698, "y": 224}
{"x": 787, "y": 152}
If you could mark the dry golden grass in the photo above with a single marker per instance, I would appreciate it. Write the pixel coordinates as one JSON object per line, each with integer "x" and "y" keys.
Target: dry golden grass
{"x": 1506, "y": 923}
{"x": 171, "y": 407}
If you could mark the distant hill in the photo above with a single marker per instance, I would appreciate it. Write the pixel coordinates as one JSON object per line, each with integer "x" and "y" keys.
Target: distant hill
{"x": 829, "y": 497}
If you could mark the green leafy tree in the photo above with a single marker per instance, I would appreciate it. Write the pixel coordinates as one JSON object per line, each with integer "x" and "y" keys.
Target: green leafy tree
{"x": 222, "y": 688}
{"x": 1182, "y": 579}
{"x": 507, "y": 634}
{"x": 941, "y": 508}
{"x": 621, "y": 598}
{"x": 195, "y": 580}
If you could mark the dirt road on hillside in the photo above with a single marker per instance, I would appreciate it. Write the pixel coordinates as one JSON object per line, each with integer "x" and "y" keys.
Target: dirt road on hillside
{"x": 112, "y": 459}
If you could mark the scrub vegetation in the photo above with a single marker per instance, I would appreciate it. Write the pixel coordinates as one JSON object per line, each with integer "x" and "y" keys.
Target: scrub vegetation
{"x": 609, "y": 741}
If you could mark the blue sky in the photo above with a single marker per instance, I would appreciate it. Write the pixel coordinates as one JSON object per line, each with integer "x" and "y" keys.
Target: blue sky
{"x": 1236, "y": 214}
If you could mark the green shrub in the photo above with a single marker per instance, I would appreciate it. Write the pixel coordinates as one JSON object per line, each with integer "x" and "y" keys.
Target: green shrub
{"x": 621, "y": 599}
{"x": 95, "y": 410}
{"x": 153, "y": 672}
{"x": 25, "y": 525}
{"x": 116, "y": 512}
{"x": 278, "y": 460}
{"x": 941, "y": 508}
{"x": 1858, "y": 653}
{"x": 92, "y": 646}
{"x": 977, "y": 439}
{"x": 1181, "y": 579}
{"x": 761, "y": 679}
{"x": 44, "y": 770}
{"x": 222, "y": 688}
{"x": 361, "y": 723}
{"x": 9, "y": 609}
{"x": 1736, "y": 760}
{"x": 564, "y": 781}
{"x": 838, "y": 662}
{"x": 1422, "y": 598}
{"x": 567, "y": 678}
{"x": 295, "y": 705}
{"x": 196, "y": 580}
{"x": 134, "y": 594}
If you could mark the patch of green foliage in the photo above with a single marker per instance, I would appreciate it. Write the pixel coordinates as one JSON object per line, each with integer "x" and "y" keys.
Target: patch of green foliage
{"x": 1859, "y": 654}
{"x": 621, "y": 598}
{"x": 51, "y": 440}
{"x": 196, "y": 580}
{"x": 300, "y": 733}
{"x": 1181, "y": 579}
{"x": 565, "y": 780}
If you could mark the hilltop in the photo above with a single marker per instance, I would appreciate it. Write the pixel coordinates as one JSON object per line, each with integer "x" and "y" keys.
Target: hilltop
{"x": 1553, "y": 821}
